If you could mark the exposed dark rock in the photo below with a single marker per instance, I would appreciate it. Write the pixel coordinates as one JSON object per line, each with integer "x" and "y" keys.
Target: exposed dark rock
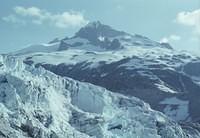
{"x": 95, "y": 29}
{"x": 192, "y": 69}
{"x": 1, "y": 64}
{"x": 28, "y": 62}
{"x": 166, "y": 45}
{"x": 54, "y": 41}
{"x": 3, "y": 79}
{"x": 115, "y": 127}
{"x": 32, "y": 132}
{"x": 45, "y": 118}
{"x": 63, "y": 46}
{"x": 53, "y": 135}
{"x": 2, "y": 135}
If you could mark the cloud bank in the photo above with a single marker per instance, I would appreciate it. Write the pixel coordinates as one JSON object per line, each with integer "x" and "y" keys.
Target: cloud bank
{"x": 191, "y": 19}
{"x": 39, "y": 16}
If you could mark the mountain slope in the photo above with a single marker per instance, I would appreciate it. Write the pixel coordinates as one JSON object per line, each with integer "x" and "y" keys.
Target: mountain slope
{"x": 39, "y": 104}
{"x": 38, "y": 48}
{"x": 155, "y": 75}
{"x": 128, "y": 64}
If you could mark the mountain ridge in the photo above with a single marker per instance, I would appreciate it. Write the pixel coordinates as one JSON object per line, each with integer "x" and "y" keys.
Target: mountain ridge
{"x": 95, "y": 34}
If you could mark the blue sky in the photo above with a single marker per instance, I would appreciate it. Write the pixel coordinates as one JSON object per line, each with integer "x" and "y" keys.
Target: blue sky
{"x": 25, "y": 22}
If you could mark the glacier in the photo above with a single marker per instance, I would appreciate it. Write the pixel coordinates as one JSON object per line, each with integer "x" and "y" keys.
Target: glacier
{"x": 35, "y": 103}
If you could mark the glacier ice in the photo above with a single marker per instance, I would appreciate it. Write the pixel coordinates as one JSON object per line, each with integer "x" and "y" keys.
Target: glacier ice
{"x": 39, "y": 104}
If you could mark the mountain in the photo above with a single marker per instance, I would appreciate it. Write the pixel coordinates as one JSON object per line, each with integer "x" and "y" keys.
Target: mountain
{"x": 35, "y": 103}
{"x": 132, "y": 65}
{"x": 95, "y": 36}
{"x": 126, "y": 64}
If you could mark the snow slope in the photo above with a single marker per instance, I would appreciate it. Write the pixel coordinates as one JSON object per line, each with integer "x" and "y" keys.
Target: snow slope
{"x": 149, "y": 56}
{"x": 39, "y": 104}
{"x": 51, "y": 47}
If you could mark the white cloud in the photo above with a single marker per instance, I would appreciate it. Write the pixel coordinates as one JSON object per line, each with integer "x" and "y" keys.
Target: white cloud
{"x": 38, "y": 16}
{"x": 13, "y": 19}
{"x": 191, "y": 19}
{"x": 174, "y": 37}
{"x": 32, "y": 11}
{"x": 69, "y": 19}
{"x": 170, "y": 38}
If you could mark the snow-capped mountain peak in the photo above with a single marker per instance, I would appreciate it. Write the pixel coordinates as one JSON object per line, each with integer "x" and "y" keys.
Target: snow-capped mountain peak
{"x": 95, "y": 29}
{"x": 95, "y": 36}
